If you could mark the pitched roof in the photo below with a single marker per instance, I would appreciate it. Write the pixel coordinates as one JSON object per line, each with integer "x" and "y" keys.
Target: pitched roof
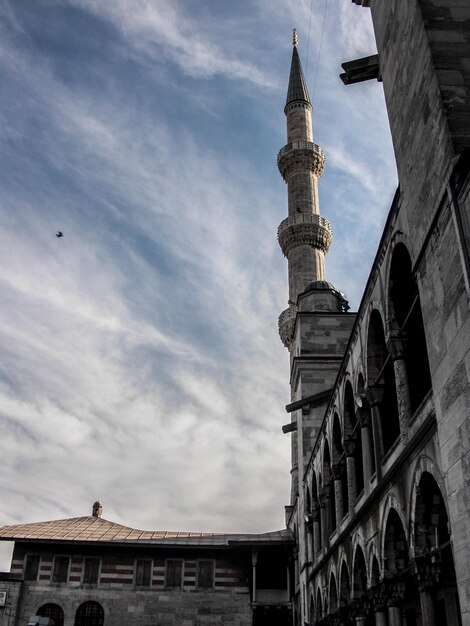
{"x": 297, "y": 89}
{"x": 98, "y": 530}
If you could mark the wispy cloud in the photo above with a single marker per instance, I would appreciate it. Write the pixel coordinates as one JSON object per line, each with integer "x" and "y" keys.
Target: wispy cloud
{"x": 140, "y": 357}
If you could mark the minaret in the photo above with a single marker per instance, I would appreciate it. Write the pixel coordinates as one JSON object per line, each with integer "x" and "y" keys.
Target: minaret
{"x": 305, "y": 236}
{"x": 316, "y": 326}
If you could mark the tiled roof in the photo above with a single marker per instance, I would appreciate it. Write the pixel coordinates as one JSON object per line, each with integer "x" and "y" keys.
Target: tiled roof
{"x": 98, "y": 530}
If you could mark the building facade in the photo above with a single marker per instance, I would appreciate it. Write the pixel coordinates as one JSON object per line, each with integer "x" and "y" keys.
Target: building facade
{"x": 380, "y": 411}
{"x": 88, "y": 571}
{"x": 379, "y": 516}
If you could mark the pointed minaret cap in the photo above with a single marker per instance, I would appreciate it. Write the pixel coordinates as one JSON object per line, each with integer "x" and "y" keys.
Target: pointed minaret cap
{"x": 97, "y": 510}
{"x": 297, "y": 89}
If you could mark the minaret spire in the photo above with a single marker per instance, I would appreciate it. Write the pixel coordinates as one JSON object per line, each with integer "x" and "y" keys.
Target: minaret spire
{"x": 304, "y": 236}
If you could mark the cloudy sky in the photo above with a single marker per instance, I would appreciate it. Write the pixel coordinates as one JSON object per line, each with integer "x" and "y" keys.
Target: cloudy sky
{"x": 140, "y": 358}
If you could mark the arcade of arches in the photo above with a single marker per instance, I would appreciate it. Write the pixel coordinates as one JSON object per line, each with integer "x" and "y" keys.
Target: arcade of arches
{"x": 408, "y": 587}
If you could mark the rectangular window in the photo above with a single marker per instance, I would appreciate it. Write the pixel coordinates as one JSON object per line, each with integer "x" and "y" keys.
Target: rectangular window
{"x": 143, "y": 573}
{"x": 60, "y": 572}
{"x": 31, "y": 567}
{"x": 174, "y": 573}
{"x": 205, "y": 574}
{"x": 91, "y": 571}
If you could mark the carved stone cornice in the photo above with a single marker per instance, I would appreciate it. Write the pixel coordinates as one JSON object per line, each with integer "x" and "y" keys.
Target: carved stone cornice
{"x": 304, "y": 229}
{"x": 349, "y": 445}
{"x": 375, "y": 394}
{"x": 286, "y": 325}
{"x": 300, "y": 156}
{"x": 396, "y": 344}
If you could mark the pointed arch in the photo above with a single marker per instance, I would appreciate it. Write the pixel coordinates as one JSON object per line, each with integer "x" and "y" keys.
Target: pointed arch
{"x": 333, "y": 594}
{"x": 405, "y": 310}
{"x": 344, "y": 586}
{"x": 359, "y": 573}
{"x": 319, "y": 607}
{"x": 339, "y": 463}
{"x": 352, "y": 433}
{"x": 329, "y": 490}
{"x": 395, "y": 545}
{"x": 381, "y": 374}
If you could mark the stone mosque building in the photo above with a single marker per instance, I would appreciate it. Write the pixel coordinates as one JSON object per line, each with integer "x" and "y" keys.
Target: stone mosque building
{"x": 378, "y": 524}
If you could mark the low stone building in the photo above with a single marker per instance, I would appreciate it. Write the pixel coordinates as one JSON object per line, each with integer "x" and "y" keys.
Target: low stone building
{"x": 88, "y": 571}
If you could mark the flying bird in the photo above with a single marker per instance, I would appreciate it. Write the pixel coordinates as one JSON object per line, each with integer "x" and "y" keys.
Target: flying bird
{"x": 59, "y": 234}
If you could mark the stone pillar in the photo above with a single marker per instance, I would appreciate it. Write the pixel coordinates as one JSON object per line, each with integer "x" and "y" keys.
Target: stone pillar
{"x": 394, "y": 616}
{"x": 396, "y": 348}
{"x": 337, "y": 471}
{"x": 364, "y": 419}
{"x": 325, "y": 516}
{"x": 428, "y": 614}
{"x": 350, "y": 446}
{"x": 380, "y": 617}
{"x": 375, "y": 396}
{"x": 316, "y": 516}
{"x": 254, "y": 560}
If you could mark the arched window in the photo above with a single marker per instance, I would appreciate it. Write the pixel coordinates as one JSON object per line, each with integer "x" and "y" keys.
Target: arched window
{"x": 339, "y": 462}
{"x": 406, "y": 309}
{"x": 352, "y": 432}
{"x": 54, "y": 611}
{"x": 89, "y": 614}
{"x": 395, "y": 546}
{"x": 380, "y": 373}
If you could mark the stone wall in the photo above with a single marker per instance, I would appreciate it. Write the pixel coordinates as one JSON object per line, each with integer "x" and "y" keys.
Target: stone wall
{"x": 227, "y": 602}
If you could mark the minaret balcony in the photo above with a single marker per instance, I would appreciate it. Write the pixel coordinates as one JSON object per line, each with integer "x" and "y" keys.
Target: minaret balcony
{"x": 286, "y": 325}
{"x": 300, "y": 156}
{"x": 304, "y": 229}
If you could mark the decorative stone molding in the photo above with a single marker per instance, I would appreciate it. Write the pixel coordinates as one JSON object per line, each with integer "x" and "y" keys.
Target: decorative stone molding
{"x": 304, "y": 229}
{"x": 375, "y": 394}
{"x": 396, "y": 344}
{"x": 286, "y": 325}
{"x": 300, "y": 156}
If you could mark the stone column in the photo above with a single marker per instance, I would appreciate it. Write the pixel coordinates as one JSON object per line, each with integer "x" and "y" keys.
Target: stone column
{"x": 396, "y": 594}
{"x": 396, "y": 348}
{"x": 254, "y": 560}
{"x": 364, "y": 419}
{"x": 428, "y": 613}
{"x": 380, "y": 616}
{"x": 337, "y": 471}
{"x": 325, "y": 516}
{"x": 375, "y": 396}
{"x": 350, "y": 446}
{"x": 316, "y": 516}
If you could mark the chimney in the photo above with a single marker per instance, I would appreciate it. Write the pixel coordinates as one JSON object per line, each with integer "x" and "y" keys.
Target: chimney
{"x": 97, "y": 509}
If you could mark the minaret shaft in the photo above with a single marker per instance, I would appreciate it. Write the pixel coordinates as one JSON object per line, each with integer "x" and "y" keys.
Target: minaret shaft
{"x": 304, "y": 236}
